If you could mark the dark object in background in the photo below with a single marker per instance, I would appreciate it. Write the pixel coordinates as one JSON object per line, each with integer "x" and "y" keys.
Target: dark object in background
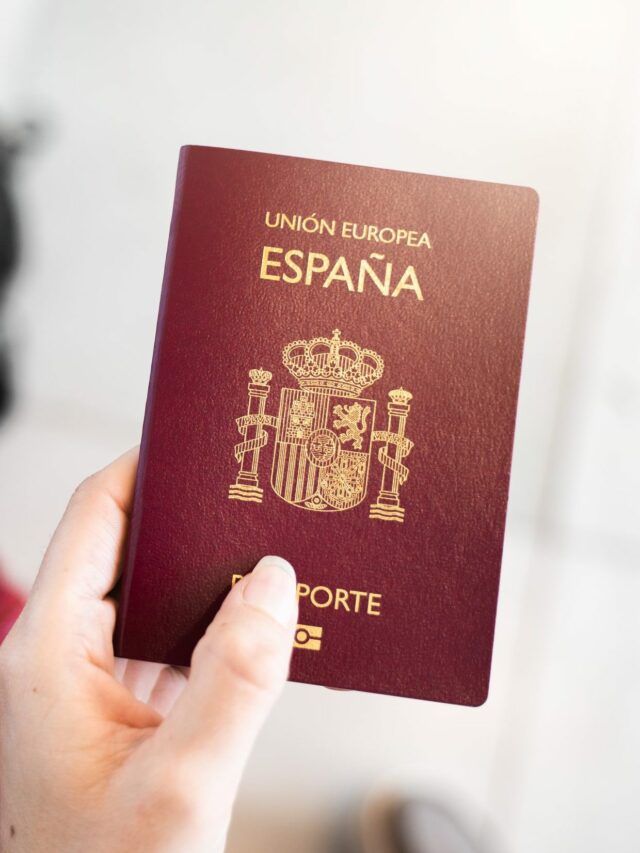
{"x": 8, "y": 260}
{"x": 384, "y": 823}
{"x": 420, "y": 826}
{"x": 11, "y": 600}
{"x": 11, "y": 143}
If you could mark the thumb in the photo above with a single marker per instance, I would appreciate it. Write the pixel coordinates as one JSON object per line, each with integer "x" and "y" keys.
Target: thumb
{"x": 238, "y": 669}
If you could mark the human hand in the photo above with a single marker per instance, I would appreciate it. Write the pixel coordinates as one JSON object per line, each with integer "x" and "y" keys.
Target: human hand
{"x": 87, "y": 765}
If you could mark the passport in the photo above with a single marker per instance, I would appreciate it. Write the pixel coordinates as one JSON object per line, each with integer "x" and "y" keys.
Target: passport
{"x": 334, "y": 380}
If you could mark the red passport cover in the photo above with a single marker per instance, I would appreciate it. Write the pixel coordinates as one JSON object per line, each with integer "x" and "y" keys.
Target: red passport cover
{"x": 334, "y": 380}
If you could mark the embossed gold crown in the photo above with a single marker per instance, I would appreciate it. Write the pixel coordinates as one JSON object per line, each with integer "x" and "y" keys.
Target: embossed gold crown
{"x": 332, "y": 363}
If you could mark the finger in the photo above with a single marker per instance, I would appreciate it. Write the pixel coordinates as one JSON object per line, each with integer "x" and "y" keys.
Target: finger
{"x": 167, "y": 689}
{"x": 237, "y": 671}
{"x": 140, "y": 677}
{"x": 119, "y": 668}
{"x": 155, "y": 684}
{"x": 83, "y": 557}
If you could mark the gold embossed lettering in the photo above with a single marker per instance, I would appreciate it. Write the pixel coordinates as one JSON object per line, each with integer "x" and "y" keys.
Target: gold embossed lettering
{"x": 342, "y": 599}
{"x": 316, "y": 262}
{"x": 409, "y": 281}
{"x": 340, "y": 272}
{"x": 325, "y": 592}
{"x": 267, "y": 263}
{"x": 297, "y": 270}
{"x": 373, "y": 605}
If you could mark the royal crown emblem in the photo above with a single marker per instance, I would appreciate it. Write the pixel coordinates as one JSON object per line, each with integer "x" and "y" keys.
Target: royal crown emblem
{"x": 325, "y": 432}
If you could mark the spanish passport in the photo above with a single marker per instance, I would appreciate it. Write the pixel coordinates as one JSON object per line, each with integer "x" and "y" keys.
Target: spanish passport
{"x": 334, "y": 380}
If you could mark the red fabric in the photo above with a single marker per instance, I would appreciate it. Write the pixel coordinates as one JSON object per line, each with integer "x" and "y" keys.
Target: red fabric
{"x": 11, "y": 604}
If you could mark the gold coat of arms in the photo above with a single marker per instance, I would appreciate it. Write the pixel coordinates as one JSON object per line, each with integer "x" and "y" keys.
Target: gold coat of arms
{"x": 325, "y": 432}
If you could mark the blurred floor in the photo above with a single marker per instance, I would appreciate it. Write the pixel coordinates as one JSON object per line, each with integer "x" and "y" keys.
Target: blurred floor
{"x": 516, "y": 92}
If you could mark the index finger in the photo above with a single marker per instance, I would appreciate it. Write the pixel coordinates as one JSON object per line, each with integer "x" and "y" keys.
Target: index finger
{"x": 83, "y": 557}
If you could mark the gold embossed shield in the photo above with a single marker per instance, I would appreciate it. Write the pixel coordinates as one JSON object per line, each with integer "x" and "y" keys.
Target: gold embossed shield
{"x": 323, "y": 447}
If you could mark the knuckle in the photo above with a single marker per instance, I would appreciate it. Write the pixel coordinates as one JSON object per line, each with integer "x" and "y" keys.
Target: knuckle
{"x": 90, "y": 496}
{"x": 171, "y": 799}
{"x": 167, "y": 796}
{"x": 255, "y": 658}
{"x": 86, "y": 490}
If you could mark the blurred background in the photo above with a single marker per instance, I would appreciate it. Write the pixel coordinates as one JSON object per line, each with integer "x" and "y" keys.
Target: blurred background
{"x": 520, "y": 91}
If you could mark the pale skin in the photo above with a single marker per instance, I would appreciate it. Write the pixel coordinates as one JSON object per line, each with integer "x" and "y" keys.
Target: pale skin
{"x": 100, "y": 754}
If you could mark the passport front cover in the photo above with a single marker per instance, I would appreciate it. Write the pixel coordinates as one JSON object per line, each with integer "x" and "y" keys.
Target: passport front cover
{"x": 334, "y": 380}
